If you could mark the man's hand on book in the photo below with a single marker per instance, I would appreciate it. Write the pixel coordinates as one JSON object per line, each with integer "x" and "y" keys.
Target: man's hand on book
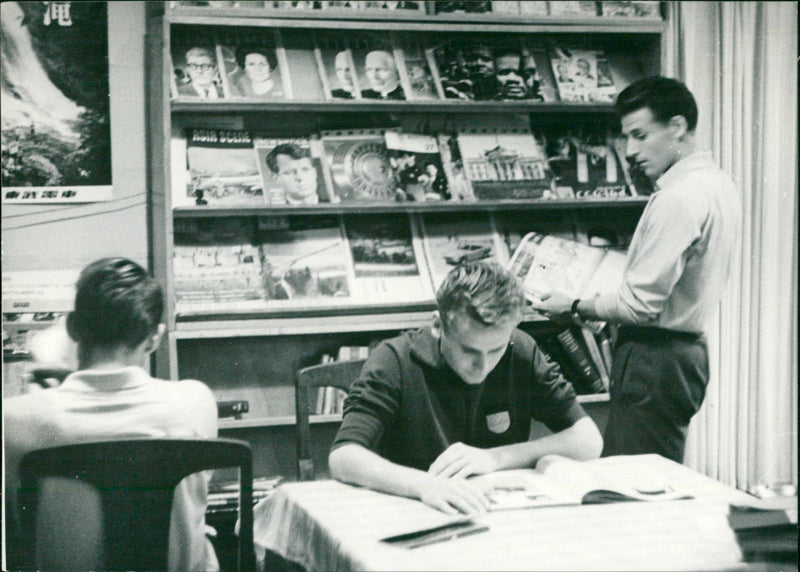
{"x": 453, "y": 496}
{"x": 461, "y": 461}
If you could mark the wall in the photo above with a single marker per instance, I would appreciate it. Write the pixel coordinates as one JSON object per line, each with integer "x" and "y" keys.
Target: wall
{"x": 61, "y": 237}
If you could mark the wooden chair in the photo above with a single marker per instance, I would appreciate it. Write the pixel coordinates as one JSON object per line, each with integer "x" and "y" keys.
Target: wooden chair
{"x": 125, "y": 487}
{"x": 339, "y": 374}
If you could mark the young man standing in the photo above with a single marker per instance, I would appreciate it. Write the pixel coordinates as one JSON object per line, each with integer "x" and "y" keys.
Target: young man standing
{"x": 434, "y": 406}
{"x": 116, "y": 323}
{"x": 678, "y": 263}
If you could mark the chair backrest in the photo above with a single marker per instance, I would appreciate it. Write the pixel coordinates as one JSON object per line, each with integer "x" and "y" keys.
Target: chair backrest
{"x": 339, "y": 374}
{"x": 117, "y": 512}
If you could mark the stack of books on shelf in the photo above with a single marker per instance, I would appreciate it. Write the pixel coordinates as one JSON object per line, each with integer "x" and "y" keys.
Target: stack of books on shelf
{"x": 224, "y": 497}
{"x": 237, "y": 168}
{"x": 330, "y": 400}
{"x": 230, "y": 64}
{"x": 532, "y": 8}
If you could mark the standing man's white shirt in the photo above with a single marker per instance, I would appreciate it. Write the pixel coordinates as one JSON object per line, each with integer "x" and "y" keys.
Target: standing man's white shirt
{"x": 680, "y": 255}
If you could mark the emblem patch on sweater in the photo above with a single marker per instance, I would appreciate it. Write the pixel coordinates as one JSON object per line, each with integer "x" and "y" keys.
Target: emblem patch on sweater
{"x": 498, "y": 422}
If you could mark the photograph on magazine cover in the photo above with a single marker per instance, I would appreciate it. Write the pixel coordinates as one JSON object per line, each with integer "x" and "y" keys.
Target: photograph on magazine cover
{"x": 56, "y": 138}
{"x": 251, "y": 65}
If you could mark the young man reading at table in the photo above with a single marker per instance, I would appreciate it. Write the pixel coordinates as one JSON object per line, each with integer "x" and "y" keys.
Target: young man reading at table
{"x": 116, "y": 323}
{"x": 432, "y": 407}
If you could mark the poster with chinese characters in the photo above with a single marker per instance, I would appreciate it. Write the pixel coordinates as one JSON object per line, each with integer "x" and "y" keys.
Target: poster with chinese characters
{"x": 56, "y": 139}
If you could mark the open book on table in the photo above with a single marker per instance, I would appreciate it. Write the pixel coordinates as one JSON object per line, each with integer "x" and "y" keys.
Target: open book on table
{"x": 558, "y": 480}
{"x": 546, "y": 263}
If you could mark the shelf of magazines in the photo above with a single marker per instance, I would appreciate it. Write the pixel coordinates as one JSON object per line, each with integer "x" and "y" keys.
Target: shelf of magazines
{"x": 411, "y": 207}
{"x": 311, "y": 321}
{"x": 409, "y": 20}
{"x": 187, "y": 105}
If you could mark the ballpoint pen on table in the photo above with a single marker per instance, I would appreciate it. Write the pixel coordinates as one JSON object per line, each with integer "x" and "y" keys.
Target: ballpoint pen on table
{"x": 448, "y": 536}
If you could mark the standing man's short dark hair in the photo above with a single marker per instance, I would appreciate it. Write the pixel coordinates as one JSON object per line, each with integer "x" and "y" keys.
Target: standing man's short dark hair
{"x": 665, "y": 97}
{"x": 678, "y": 264}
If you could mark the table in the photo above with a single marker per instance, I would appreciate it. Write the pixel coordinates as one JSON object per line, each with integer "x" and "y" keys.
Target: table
{"x": 327, "y": 525}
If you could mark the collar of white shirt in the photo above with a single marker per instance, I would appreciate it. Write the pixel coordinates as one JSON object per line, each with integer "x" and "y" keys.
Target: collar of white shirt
{"x": 697, "y": 160}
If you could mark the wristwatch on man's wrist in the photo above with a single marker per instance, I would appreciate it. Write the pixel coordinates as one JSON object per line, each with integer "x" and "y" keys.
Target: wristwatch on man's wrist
{"x": 576, "y": 317}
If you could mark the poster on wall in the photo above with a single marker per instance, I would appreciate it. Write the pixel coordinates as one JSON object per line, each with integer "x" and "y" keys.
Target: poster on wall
{"x": 54, "y": 103}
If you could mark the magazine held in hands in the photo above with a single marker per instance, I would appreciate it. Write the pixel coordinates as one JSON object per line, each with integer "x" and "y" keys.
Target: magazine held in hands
{"x": 547, "y": 264}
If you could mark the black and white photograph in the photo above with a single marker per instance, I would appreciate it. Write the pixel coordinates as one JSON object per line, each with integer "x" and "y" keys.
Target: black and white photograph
{"x": 196, "y": 67}
{"x": 56, "y": 141}
{"x": 377, "y": 66}
{"x": 336, "y": 66}
{"x": 291, "y": 171}
{"x": 399, "y": 285}
{"x": 253, "y": 66}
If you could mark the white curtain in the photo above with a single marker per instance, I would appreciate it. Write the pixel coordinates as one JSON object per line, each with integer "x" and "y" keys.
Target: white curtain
{"x": 738, "y": 58}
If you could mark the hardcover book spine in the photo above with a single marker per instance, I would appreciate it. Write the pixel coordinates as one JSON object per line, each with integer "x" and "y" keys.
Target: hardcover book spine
{"x": 596, "y": 356}
{"x": 588, "y": 378}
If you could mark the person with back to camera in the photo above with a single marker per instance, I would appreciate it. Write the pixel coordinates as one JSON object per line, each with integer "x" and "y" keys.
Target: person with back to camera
{"x": 434, "y": 406}
{"x": 677, "y": 266}
{"x": 117, "y": 324}
{"x": 292, "y": 166}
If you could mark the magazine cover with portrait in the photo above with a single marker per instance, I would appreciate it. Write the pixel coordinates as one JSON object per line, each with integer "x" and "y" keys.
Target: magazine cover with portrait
{"x": 517, "y": 72}
{"x": 254, "y": 65}
{"x": 466, "y": 69}
{"x": 335, "y": 66}
{"x": 377, "y": 66}
{"x": 195, "y": 66}
{"x": 291, "y": 170}
{"x": 56, "y": 140}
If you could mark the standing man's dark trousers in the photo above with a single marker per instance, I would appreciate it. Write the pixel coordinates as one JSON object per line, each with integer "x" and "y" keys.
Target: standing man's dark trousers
{"x": 658, "y": 382}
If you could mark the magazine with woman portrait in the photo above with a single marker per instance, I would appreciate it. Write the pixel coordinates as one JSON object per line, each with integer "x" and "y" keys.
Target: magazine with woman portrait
{"x": 254, "y": 65}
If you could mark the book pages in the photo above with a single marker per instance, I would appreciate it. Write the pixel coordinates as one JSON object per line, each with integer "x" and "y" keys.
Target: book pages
{"x": 546, "y": 264}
